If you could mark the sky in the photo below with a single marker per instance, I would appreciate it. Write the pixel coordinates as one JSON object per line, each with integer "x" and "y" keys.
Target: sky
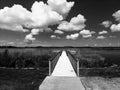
{"x": 60, "y": 22}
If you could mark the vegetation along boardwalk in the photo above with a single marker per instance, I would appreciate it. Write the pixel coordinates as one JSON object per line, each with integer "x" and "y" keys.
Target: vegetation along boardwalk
{"x": 63, "y": 76}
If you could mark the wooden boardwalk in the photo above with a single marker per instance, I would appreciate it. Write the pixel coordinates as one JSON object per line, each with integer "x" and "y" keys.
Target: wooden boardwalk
{"x": 61, "y": 83}
{"x": 63, "y": 76}
{"x": 64, "y": 67}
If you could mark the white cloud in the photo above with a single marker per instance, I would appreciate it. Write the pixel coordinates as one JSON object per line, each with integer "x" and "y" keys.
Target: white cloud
{"x": 100, "y": 37}
{"x": 55, "y": 37}
{"x": 29, "y": 38}
{"x": 106, "y": 23}
{"x": 75, "y": 24}
{"x": 115, "y": 27}
{"x": 79, "y": 20}
{"x": 73, "y": 36}
{"x": 36, "y": 31}
{"x": 40, "y": 17}
{"x": 60, "y": 6}
{"x": 43, "y": 15}
{"x": 116, "y": 15}
{"x": 87, "y": 36}
{"x": 86, "y": 33}
{"x": 58, "y": 32}
{"x": 103, "y": 32}
{"x": 13, "y": 18}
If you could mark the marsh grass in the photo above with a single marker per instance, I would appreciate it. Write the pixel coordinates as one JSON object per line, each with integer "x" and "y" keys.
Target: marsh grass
{"x": 21, "y": 79}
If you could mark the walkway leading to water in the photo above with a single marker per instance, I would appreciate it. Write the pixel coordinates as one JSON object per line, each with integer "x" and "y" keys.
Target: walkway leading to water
{"x": 64, "y": 67}
{"x": 63, "y": 76}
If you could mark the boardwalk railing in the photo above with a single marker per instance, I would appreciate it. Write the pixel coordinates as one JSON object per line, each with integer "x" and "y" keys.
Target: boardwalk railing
{"x": 74, "y": 62}
{"x": 53, "y": 61}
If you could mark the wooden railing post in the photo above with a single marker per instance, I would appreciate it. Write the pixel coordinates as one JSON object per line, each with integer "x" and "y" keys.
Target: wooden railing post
{"x": 49, "y": 67}
{"x": 78, "y": 67}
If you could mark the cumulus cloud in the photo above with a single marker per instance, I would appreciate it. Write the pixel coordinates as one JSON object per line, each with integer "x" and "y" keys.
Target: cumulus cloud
{"x": 115, "y": 27}
{"x": 103, "y": 32}
{"x": 116, "y": 15}
{"x": 13, "y": 18}
{"x": 87, "y": 36}
{"x": 73, "y": 36}
{"x": 79, "y": 20}
{"x": 60, "y": 6}
{"x": 42, "y": 15}
{"x": 58, "y": 32}
{"x": 36, "y": 31}
{"x": 86, "y": 33}
{"x": 75, "y": 24}
{"x": 55, "y": 37}
{"x": 100, "y": 37}
{"x": 106, "y": 24}
{"x": 29, "y": 38}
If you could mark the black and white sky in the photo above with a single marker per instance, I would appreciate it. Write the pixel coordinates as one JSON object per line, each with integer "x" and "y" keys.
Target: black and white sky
{"x": 60, "y": 22}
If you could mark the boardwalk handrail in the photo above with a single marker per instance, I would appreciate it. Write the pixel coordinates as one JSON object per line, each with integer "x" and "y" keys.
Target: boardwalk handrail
{"x": 53, "y": 61}
{"x": 74, "y": 62}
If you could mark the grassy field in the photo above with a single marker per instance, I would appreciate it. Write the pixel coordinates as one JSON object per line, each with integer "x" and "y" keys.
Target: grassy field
{"x": 98, "y": 57}
{"x": 24, "y": 68}
{"x": 30, "y": 79}
{"x": 100, "y": 78}
{"x": 108, "y": 72}
{"x": 21, "y": 79}
{"x": 100, "y": 83}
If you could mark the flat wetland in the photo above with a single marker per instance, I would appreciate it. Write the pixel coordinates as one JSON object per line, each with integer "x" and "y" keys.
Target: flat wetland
{"x": 26, "y": 68}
